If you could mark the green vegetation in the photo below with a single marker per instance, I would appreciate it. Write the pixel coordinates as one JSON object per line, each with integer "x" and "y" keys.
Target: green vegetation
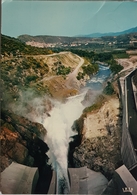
{"x": 92, "y": 56}
{"x": 12, "y": 46}
{"x": 83, "y": 53}
{"x": 31, "y": 78}
{"x": 90, "y": 69}
{"x": 97, "y": 105}
{"x": 103, "y": 57}
{"x": 107, "y": 57}
{"x": 109, "y": 89}
{"x": 62, "y": 70}
{"x": 120, "y": 54}
{"x": 80, "y": 75}
{"x": 19, "y": 74}
{"x": 115, "y": 67}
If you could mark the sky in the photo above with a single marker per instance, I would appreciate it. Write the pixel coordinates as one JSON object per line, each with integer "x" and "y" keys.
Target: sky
{"x": 66, "y": 18}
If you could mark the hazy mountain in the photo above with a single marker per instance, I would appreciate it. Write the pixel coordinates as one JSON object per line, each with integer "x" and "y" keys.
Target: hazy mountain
{"x": 76, "y": 39}
{"x": 50, "y": 39}
{"x": 93, "y": 35}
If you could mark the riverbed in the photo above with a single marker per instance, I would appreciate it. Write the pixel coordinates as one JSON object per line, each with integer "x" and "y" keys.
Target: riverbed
{"x": 59, "y": 124}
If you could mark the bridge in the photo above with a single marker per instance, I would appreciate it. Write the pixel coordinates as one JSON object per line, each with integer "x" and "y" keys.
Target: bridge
{"x": 20, "y": 179}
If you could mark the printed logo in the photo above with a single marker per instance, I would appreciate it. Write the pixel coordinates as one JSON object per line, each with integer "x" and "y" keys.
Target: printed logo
{"x": 127, "y": 189}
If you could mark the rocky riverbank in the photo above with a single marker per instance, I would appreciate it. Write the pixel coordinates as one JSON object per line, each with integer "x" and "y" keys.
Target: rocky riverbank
{"x": 101, "y": 138}
{"x": 101, "y": 131}
{"x": 23, "y": 93}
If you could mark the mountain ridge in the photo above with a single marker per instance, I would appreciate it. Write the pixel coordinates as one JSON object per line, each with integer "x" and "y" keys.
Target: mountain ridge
{"x": 95, "y": 35}
{"x": 45, "y": 40}
{"x": 53, "y": 39}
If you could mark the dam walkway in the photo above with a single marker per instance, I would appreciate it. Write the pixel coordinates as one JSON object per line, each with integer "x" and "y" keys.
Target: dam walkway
{"x": 18, "y": 179}
{"x": 82, "y": 181}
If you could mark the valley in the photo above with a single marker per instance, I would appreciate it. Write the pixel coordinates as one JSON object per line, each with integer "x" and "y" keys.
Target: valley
{"x": 96, "y": 42}
{"x": 51, "y": 83}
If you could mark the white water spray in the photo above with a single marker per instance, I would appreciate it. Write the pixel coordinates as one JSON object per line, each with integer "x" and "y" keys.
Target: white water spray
{"x": 58, "y": 125}
{"x": 59, "y": 131}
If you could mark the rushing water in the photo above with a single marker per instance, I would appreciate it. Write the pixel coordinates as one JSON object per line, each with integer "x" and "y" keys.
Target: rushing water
{"x": 59, "y": 131}
{"x": 96, "y": 82}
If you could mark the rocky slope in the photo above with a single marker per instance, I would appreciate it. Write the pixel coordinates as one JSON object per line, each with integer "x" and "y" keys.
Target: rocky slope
{"x": 28, "y": 75}
{"x": 101, "y": 127}
{"x": 101, "y": 140}
{"x": 43, "y": 74}
{"x": 21, "y": 141}
{"x": 55, "y": 81}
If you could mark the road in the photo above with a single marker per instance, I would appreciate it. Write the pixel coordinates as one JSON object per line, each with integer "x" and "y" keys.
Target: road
{"x": 72, "y": 76}
{"x": 132, "y": 112}
{"x": 132, "y": 118}
{"x": 47, "y": 78}
{"x": 127, "y": 63}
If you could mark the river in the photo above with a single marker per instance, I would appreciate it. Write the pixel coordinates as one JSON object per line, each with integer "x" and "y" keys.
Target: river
{"x": 59, "y": 127}
{"x": 96, "y": 82}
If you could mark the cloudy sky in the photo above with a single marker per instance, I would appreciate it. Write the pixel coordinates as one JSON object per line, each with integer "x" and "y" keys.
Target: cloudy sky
{"x": 66, "y": 18}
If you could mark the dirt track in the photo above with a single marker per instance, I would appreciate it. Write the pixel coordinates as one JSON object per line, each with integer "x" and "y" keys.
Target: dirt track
{"x": 128, "y": 63}
{"x": 71, "y": 79}
{"x": 59, "y": 86}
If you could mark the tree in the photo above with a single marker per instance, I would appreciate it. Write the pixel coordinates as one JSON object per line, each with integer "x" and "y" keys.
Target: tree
{"x": 89, "y": 69}
{"x": 114, "y": 67}
{"x": 109, "y": 90}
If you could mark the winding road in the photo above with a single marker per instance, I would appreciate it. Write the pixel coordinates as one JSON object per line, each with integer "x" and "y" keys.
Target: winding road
{"x": 127, "y": 64}
{"x": 71, "y": 77}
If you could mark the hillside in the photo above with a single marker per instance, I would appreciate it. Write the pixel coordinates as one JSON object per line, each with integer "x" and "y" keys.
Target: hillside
{"x": 25, "y": 68}
{"x": 26, "y": 75}
{"x": 12, "y": 46}
{"x": 79, "y": 38}
{"x": 47, "y": 39}
{"x": 28, "y": 68}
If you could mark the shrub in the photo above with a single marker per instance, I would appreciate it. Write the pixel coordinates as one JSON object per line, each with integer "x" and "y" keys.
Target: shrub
{"x": 62, "y": 70}
{"x": 80, "y": 75}
{"x": 31, "y": 78}
{"x": 97, "y": 105}
{"x": 115, "y": 68}
{"x": 90, "y": 69}
{"x": 109, "y": 90}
